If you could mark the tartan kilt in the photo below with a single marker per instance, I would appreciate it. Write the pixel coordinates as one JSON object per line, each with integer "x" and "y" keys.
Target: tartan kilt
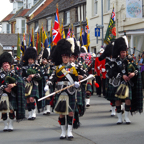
{"x": 34, "y": 92}
{"x": 137, "y": 95}
{"x": 82, "y": 107}
{"x": 13, "y": 103}
{"x": 79, "y": 97}
{"x": 88, "y": 88}
{"x": 41, "y": 85}
{"x": 71, "y": 100}
{"x": 111, "y": 90}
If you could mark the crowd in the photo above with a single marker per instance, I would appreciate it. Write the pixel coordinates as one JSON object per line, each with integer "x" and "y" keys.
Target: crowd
{"x": 63, "y": 80}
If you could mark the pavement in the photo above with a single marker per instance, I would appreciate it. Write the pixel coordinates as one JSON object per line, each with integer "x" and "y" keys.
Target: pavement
{"x": 97, "y": 127}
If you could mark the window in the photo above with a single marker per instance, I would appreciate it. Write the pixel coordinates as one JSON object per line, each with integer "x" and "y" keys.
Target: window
{"x": 49, "y": 24}
{"x": 77, "y": 33}
{"x": 36, "y": 27}
{"x": 106, "y": 5}
{"x": 29, "y": 5}
{"x": 8, "y": 28}
{"x": 67, "y": 17}
{"x": 76, "y": 14}
{"x": 14, "y": 10}
{"x": 95, "y": 7}
{"x": 23, "y": 26}
{"x": 84, "y": 12}
{"x": 35, "y": 1}
{"x": 81, "y": 13}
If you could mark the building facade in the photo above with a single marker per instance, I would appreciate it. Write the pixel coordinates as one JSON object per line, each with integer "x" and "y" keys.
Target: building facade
{"x": 133, "y": 27}
{"x": 71, "y": 12}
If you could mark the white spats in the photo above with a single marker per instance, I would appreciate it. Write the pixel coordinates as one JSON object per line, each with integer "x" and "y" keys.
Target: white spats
{"x": 113, "y": 113}
{"x": 69, "y": 131}
{"x": 127, "y": 120}
{"x": 47, "y": 111}
{"x": 34, "y": 114}
{"x": 10, "y": 127}
{"x": 5, "y": 125}
{"x": 87, "y": 102}
{"x": 29, "y": 115}
{"x": 63, "y": 134}
{"x": 119, "y": 115}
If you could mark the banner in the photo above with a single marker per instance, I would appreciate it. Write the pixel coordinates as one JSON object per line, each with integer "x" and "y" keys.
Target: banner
{"x": 134, "y": 8}
{"x": 111, "y": 30}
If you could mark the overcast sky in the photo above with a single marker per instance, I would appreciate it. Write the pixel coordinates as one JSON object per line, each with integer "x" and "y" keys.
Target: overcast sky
{"x": 5, "y": 8}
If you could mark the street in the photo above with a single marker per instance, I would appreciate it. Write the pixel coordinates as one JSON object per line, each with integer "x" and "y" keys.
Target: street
{"x": 97, "y": 127}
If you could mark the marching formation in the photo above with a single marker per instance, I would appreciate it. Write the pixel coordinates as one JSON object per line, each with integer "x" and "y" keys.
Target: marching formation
{"x": 63, "y": 78}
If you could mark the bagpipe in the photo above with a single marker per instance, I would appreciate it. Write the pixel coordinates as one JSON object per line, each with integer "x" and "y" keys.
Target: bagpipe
{"x": 30, "y": 70}
{"x": 10, "y": 78}
{"x": 123, "y": 90}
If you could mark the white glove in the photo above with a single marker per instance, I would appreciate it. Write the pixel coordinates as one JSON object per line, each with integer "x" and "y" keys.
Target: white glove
{"x": 76, "y": 84}
{"x": 103, "y": 70}
{"x": 98, "y": 68}
{"x": 46, "y": 88}
{"x": 49, "y": 83}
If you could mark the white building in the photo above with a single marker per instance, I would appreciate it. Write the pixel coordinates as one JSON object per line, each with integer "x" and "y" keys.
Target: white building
{"x": 133, "y": 27}
{"x": 16, "y": 21}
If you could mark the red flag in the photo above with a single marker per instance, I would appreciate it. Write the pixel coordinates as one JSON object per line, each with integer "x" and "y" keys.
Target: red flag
{"x": 69, "y": 33}
{"x": 56, "y": 30}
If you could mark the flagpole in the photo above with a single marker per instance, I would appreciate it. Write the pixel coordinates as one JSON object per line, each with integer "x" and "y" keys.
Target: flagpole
{"x": 102, "y": 19}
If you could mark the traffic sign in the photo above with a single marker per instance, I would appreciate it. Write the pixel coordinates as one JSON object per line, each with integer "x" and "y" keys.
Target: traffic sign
{"x": 97, "y": 32}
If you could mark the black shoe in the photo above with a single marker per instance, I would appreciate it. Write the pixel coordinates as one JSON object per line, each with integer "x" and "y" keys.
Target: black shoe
{"x": 88, "y": 105}
{"x": 33, "y": 118}
{"x": 62, "y": 137}
{"x": 71, "y": 137}
{"x": 29, "y": 118}
{"x": 10, "y": 130}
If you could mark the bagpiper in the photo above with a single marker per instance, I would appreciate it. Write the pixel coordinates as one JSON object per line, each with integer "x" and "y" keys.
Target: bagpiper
{"x": 11, "y": 93}
{"x": 31, "y": 74}
{"x": 64, "y": 75}
{"x": 126, "y": 80}
{"x": 80, "y": 97}
{"x": 107, "y": 55}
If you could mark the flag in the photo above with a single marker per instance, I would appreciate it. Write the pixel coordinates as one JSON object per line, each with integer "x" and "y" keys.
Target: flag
{"x": 40, "y": 42}
{"x": 50, "y": 37}
{"x": 62, "y": 31}
{"x": 69, "y": 33}
{"x": 45, "y": 40}
{"x": 37, "y": 41}
{"x": 72, "y": 32}
{"x": 87, "y": 35}
{"x": 23, "y": 45}
{"x": 56, "y": 30}
{"x": 32, "y": 39}
{"x": 29, "y": 44}
{"x": 81, "y": 37}
{"x": 18, "y": 47}
{"x": 111, "y": 30}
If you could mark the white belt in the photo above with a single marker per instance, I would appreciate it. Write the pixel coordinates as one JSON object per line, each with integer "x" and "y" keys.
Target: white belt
{"x": 63, "y": 83}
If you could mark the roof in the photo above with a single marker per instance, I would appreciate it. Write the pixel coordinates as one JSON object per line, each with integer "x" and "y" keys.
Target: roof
{"x": 34, "y": 7}
{"x": 10, "y": 39}
{"x": 22, "y": 13}
{"x": 8, "y": 17}
{"x": 42, "y": 7}
{"x": 15, "y": 15}
{"x": 51, "y": 8}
